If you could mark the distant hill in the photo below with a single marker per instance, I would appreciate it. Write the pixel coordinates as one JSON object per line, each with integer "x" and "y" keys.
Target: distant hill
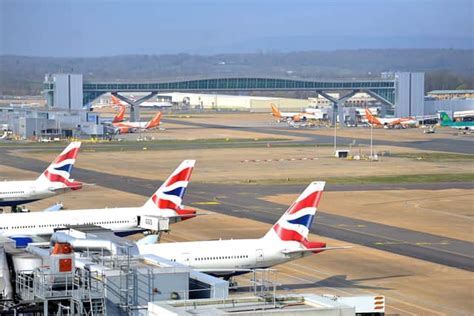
{"x": 445, "y": 68}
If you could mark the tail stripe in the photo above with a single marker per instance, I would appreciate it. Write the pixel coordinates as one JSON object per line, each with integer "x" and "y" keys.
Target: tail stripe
{"x": 66, "y": 168}
{"x": 179, "y": 192}
{"x": 305, "y": 220}
{"x": 59, "y": 178}
{"x": 163, "y": 203}
{"x": 286, "y": 234}
{"x": 183, "y": 175}
{"x": 309, "y": 201}
{"x": 69, "y": 155}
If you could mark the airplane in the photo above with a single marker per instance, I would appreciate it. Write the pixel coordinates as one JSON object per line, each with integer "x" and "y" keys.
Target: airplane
{"x": 165, "y": 202}
{"x": 287, "y": 240}
{"x": 133, "y": 127}
{"x": 145, "y": 104}
{"x": 292, "y": 116}
{"x": 120, "y": 126}
{"x": 388, "y": 122}
{"x": 447, "y": 121}
{"x": 121, "y": 114}
{"x": 53, "y": 181}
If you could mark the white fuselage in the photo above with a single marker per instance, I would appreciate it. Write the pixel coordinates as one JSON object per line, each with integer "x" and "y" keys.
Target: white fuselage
{"x": 301, "y": 115}
{"x": 221, "y": 257}
{"x": 151, "y": 104}
{"x": 140, "y": 125}
{"x": 399, "y": 121}
{"x": 44, "y": 223}
{"x": 14, "y": 193}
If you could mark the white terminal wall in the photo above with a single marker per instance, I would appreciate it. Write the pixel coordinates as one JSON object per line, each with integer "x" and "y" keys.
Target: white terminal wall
{"x": 221, "y": 101}
{"x": 410, "y": 94}
{"x": 68, "y": 92}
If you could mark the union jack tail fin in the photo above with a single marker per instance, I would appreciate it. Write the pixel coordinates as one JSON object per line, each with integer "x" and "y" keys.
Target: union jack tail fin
{"x": 169, "y": 197}
{"x": 59, "y": 171}
{"x": 155, "y": 121}
{"x": 295, "y": 224}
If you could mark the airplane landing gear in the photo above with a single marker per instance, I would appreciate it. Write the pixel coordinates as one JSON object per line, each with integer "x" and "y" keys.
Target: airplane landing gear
{"x": 233, "y": 285}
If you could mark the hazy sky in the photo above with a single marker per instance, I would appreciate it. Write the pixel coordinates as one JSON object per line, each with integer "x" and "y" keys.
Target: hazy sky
{"x": 112, "y": 27}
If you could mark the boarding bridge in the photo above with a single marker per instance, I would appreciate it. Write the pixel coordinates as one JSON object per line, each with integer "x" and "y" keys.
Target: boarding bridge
{"x": 401, "y": 89}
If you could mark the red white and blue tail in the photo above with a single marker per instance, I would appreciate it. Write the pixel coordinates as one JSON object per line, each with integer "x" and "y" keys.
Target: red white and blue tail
{"x": 59, "y": 171}
{"x": 169, "y": 197}
{"x": 295, "y": 224}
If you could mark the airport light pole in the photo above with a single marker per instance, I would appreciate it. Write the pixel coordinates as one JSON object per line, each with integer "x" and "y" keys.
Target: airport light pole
{"x": 371, "y": 141}
{"x": 335, "y": 127}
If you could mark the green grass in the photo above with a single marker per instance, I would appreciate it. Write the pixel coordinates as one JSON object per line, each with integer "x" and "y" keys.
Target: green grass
{"x": 434, "y": 156}
{"x": 396, "y": 179}
{"x": 163, "y": 144}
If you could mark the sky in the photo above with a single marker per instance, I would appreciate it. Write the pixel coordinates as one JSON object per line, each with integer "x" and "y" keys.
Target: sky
{"x": 89, "y": 28}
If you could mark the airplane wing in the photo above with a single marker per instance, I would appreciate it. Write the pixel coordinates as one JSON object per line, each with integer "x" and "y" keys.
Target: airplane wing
{"x": 287, "y": 252}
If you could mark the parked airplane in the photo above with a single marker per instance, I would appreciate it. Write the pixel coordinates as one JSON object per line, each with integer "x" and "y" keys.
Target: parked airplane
{"x": 53, "y": 181}
{"x": 125, "y": 127}
{"x": 388, "y": 122}
{"x": 292, "y": 116}
{"x": 287, "y": 240}
{"x": 122, "y": 127}
{"x": 121, "y": 114}
{"x": 461, "y": 125}
{"x": 165, "y": 202}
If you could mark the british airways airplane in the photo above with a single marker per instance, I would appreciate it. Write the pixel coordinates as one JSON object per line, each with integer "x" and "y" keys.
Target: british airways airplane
{"x": 287, "y": 240}
{"x": 165, "y": 202}
{"x": 53, "y": 181}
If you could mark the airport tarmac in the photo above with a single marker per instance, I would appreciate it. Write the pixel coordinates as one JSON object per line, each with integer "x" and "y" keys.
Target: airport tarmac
{"x": 413, "y": 241}
{"x": 248, "y": 201}
{"x": 450, "y": 143}
{"x": 411, "y": 286}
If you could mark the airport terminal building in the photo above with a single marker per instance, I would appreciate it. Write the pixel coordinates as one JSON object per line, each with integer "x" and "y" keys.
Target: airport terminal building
{"x": 70, "y": 100}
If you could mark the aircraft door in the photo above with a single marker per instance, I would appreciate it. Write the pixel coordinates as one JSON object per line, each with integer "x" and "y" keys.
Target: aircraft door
{"x": 259, "y": 255}
{"x": 186, "y": 259}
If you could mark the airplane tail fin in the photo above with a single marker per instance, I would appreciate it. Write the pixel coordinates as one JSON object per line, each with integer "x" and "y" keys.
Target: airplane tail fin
{"x": 275, "y": 111}
{"x": 295, "y": 224}
{"x": 59, "y": 171}
{"x": 115, "y": 100}
{"x": 445, "y": 117}
{"x": 169, "y": 197}
{"x": 371, "y": 118}
{"x": 155, "y": 121}
{"x": 121, "y": 114}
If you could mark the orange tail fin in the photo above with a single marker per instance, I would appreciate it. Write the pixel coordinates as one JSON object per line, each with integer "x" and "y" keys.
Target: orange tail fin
{"x": 154, "y": 122}
{"x": 371, "y": 118}
{"x": 121, "y": 114}
{"x": 116, "y": 101}
{"x": 275, "y": 111}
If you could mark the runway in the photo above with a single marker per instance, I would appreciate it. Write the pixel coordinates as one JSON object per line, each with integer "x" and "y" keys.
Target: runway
{"x": 245, "y": 201}
{"x": 462, "y": 146}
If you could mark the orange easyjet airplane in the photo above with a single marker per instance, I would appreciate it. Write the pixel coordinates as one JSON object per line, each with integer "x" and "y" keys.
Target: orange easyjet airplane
{"x": 124, "y": 127}
{"x": 121, "y": 114}
{"x": 291, "y": 116}
{"x": 388, "y": 122}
